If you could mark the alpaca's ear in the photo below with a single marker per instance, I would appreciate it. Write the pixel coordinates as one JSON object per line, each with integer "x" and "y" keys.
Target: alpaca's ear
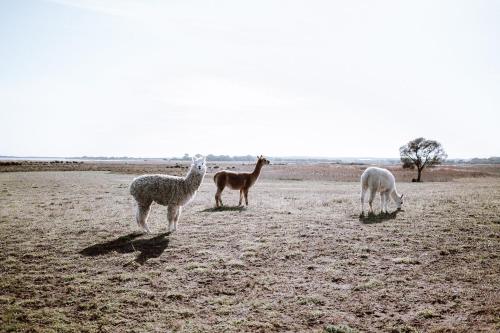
{"x": 192, "y": 159}
{"x": 402, "y": 196}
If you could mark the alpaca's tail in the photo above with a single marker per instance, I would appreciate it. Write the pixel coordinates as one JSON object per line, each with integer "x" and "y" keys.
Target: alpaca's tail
{"x": 215, "y": 177}
{"x": 364, "y": 180}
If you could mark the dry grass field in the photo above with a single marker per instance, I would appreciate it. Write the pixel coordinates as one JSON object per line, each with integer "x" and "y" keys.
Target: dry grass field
{"x": 299, "y": 258}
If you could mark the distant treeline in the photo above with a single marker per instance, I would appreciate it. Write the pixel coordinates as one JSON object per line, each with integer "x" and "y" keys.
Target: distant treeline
{"x": 219, "y": 158}
{"x": 289, "y": 159}
{"x": 304, "y": 159}
{"x": 490, "y": 160}
{"x": 252, "y": 158}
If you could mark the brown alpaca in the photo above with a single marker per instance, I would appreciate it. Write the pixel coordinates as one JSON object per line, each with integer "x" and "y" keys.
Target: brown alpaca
{"x": 237, "y": 181}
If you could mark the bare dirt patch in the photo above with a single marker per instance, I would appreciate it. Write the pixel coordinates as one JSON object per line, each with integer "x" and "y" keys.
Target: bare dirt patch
{"x": 299, "y": 258}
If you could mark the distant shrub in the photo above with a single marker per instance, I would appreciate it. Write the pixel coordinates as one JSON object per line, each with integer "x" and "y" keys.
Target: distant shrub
{"x": 427, "y": 314}
{"x": 340, "y": 329}
{"x": 10, "y": 163}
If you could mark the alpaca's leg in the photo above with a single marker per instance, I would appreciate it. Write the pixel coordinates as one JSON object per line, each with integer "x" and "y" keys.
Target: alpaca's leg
{"x": 363, "y": 191}
{"x": 245, "y": 192}
{"x": 386, "y": 201}
{"x": 241, "y": 197}
{"x": 171, "y": 215}
{"x": 141, "y": 215}
{"x": 370, "y": 199}
{"x": 177, "y": 216}
{"x": 382, "y": 197}
{"x": 218, "y": 197}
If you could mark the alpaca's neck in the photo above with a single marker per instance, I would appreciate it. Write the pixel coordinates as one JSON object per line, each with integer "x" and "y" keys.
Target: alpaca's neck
{"x": 194, "y": 179}
{"x": 256, "y": 171}
{"x": 394, "y": 194}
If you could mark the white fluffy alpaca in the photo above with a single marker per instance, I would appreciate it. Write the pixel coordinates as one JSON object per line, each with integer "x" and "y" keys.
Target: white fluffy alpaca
{"x": 166, "y": 190}
{"x": 379, "y": 180}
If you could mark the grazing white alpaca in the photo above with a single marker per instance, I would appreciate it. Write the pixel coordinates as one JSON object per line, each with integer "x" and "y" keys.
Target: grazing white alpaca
{"x": 166, "y": 190}
{"x": 379, "y": 180}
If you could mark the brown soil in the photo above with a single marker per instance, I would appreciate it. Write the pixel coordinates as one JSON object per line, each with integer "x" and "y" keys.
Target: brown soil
{"x": 299, "y": 258}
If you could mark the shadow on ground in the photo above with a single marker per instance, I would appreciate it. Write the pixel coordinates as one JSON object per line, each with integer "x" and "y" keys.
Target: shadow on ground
{"x": 148, "y": 248}
{"x": 224, "y": 209}
{"x": 373, "y": 218}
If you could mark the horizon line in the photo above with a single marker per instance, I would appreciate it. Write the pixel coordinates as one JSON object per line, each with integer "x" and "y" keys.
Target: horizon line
{"x": 299, "y": 157}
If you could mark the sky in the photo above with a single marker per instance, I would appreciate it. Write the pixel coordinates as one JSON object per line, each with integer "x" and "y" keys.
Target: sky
{"x": 149, "y": 78}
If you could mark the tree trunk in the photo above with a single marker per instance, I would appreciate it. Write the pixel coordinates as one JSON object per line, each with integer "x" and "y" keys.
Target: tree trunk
{"x": 419, "y": 174}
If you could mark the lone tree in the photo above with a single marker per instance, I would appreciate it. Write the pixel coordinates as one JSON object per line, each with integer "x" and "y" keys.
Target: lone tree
{"x": 421, "y": 153}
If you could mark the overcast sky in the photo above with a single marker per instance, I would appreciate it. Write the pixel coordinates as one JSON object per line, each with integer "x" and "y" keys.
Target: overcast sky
{"x": 279, "y": 78}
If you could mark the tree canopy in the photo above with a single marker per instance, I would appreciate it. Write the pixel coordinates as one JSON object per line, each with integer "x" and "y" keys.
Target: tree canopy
{"x": 421, "y": 153}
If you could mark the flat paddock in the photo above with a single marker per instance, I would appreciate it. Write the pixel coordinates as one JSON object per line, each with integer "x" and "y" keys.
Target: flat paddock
{"x": 299, "y": 258}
